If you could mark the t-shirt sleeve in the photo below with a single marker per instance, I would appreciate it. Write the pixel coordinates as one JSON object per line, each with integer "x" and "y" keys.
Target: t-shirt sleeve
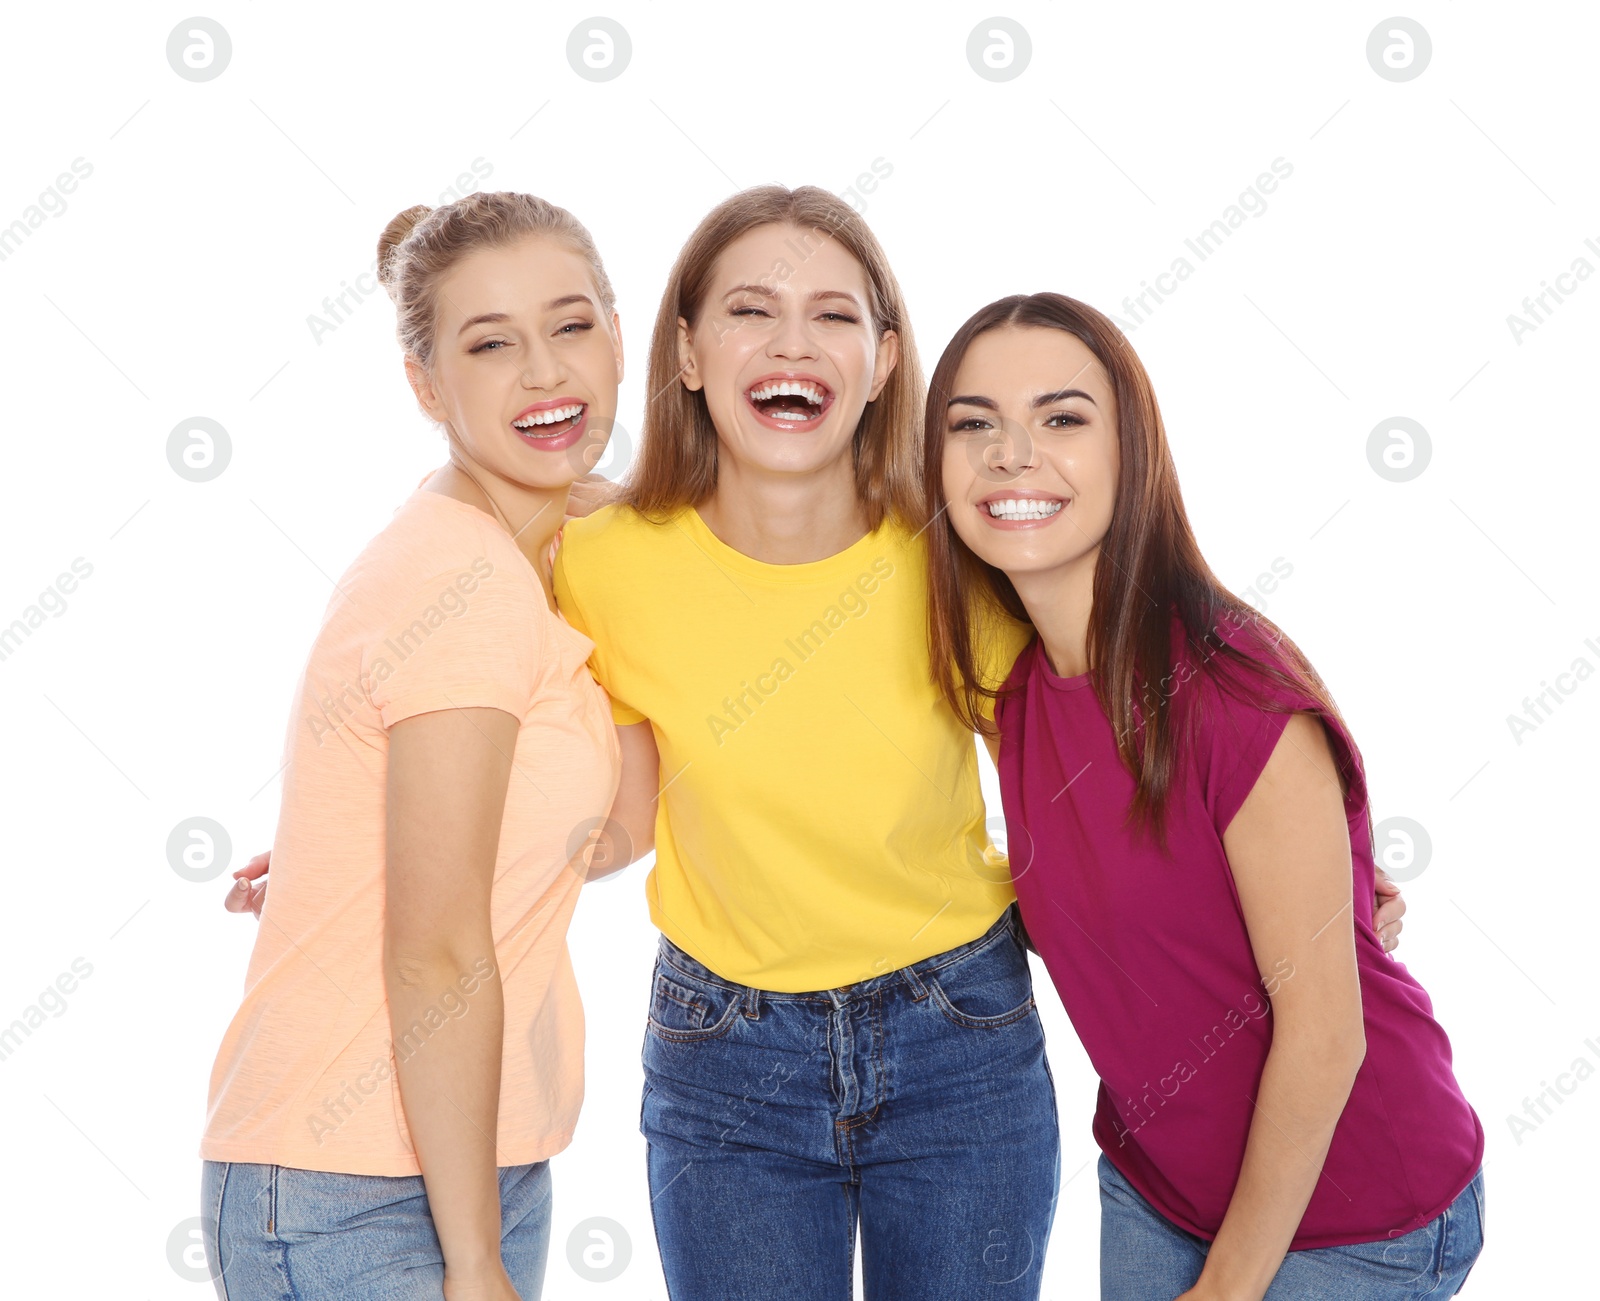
{"x": 567, "y": 578}
{"x": 1237, "y": 738}
{"x": 471, "y": 635}
{"x": 1242, "y": 719}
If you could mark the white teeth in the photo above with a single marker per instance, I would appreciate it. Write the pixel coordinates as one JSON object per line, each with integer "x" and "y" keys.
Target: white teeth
{"x": 1023, "y": 508}
{"x": 788, "y": 388}
{"x": 548, "y": 417}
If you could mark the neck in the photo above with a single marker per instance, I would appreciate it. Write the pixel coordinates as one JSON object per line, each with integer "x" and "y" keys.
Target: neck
{"x": 531, "y": 515}
{"x": 785, "y": 519}
{"x": 1059, "y": 602}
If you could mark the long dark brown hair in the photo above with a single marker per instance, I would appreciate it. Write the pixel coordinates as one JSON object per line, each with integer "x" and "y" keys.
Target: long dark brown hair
{"x": 677, "y": 461}
{"x": 1149, "y": 570}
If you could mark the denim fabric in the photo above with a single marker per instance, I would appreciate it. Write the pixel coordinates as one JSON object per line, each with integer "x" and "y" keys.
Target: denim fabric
{"x": 276, "y": 1233}
{"x": 917, "y": 1104}
{"x": 1145, "y": 1257}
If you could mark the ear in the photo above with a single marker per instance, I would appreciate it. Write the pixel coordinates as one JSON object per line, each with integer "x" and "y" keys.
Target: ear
{"x": 616, "y": 342}
{"x": 688, "y": 372}
{"x": 422, "y": 385}
{"x": 884, "y": 363}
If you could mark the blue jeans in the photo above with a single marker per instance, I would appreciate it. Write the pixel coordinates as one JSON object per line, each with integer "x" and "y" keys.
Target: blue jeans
{"x": 277, "y": 1233}
{"x": 1145, "y": 1257}
{"x": 917, "y": 1102}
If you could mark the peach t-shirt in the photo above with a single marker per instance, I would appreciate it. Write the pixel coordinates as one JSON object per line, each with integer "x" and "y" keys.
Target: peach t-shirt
{"x": 440, "y": 611}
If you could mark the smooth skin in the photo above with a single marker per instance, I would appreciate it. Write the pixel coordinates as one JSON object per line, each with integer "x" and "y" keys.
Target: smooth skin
{"x": 1034, "y": 416}
{"x": 785, "y": 498}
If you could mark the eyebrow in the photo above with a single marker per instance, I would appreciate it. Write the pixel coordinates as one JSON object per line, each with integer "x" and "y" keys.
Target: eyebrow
{"x": 764, "y": 292}
{"x": 494, "y": 318}
{"x": 1043, "y": 400}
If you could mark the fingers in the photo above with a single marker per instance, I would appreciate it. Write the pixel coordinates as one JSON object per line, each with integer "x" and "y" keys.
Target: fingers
{"x": 238, "y": 897}
{"x": 1389, "y": 935}
{"x": 1388, "y": 910}
{"x": 244, "y": 897}
{"x": 256, "y": 867}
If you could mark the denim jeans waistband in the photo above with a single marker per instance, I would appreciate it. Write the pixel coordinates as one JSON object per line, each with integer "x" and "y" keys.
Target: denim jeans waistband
{"x": 1009, "y": 922}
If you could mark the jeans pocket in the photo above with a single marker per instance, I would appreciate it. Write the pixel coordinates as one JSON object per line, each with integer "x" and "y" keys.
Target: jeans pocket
{"x": 307, "y": 1204}
{"x": 684, "y": 1011}
{"x": 985, "y": 990}
{"x": 1388, "y": 1263}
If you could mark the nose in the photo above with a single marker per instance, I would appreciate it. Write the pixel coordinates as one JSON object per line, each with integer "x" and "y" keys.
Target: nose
{"x": 791, "y": 339}
{"x": 1009, "y": 451}
{"x": 541, "y": 366}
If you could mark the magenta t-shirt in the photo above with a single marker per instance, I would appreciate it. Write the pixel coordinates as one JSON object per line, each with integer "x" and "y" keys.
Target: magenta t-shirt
{"x": 1149, "y": 952}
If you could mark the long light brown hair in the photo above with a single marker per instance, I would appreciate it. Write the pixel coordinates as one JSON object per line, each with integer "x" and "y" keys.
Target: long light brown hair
{"x": 1149, "y": 570}
{"x": 676, "y": 465}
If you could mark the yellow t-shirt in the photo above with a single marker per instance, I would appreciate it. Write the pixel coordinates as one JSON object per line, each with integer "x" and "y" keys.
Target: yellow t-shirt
{"x": 820, "y": 820}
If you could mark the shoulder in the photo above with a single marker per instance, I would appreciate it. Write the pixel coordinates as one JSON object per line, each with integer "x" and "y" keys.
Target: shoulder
{"x": 614, "y": 528}
{"x": 613, "y": 559}
{"x": 429, "y": 542}
{"x": 614, "y": 540}
{"x": 432, "y": 523}
{"x": 1235, "y": 666}
{"x": 1239, "y": 689}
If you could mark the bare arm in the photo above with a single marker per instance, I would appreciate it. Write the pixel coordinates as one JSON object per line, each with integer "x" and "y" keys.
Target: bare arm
{"x": 630, "y": 831}
{"x": 1289, "y": 850}
{"x": 447, "y": 779}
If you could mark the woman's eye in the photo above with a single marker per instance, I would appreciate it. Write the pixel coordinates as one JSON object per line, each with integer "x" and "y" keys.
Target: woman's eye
{"x": 487, "y": 344}
{"x": 576, "y": 325}
{"x": 969, "y": 425}
{"x": 1071, "y": 418}
{"x": 747, "y": 311}
{"x": 841, "y": 316}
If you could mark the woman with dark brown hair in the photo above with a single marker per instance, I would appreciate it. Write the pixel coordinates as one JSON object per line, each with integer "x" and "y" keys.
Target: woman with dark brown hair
{"x": 1277, "y": 1113}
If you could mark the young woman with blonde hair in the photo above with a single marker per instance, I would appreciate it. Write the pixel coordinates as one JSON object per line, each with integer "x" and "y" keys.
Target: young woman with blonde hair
{"x": 409, "y": 1050}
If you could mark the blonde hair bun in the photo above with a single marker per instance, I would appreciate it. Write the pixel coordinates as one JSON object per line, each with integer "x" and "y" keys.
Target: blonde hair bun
{"x": 398, "y": 228}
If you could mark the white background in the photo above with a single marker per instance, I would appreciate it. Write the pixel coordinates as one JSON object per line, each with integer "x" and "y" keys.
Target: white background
{"x": 218, "y": 215}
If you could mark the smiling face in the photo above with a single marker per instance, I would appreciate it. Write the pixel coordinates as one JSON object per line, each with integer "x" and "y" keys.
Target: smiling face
{"x": 525, "y": 365}
{"x": 1030, "y": 450}
{"x": 785, "y": 350}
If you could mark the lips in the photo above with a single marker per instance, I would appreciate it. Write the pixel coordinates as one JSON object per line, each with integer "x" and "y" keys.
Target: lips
{"x": 792, "y": 401}
{"x": 552, "y": 426}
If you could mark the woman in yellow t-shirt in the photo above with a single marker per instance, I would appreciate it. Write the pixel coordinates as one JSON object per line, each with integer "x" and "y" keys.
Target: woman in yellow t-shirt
{"x": 377, "y": 1123}
{"x": 842, "y": 1027}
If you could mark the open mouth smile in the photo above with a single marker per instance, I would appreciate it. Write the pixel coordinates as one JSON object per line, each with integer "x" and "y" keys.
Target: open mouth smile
{"x": 792, "y": 403}
{"x": 554, "y": 425}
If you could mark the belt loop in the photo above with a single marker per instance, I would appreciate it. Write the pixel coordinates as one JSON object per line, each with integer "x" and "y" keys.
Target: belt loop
{"x": 919, "y": 991}
{"x": 752, "y": 1002}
